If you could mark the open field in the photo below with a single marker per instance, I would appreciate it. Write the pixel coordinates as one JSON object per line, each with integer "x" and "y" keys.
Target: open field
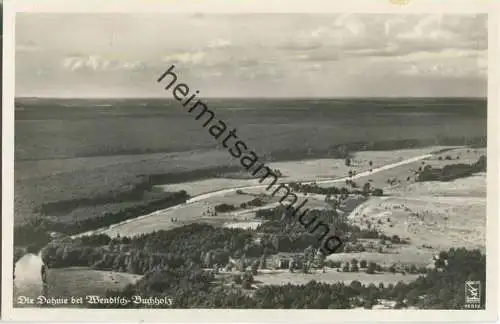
{"x": 436, "y": 221}
{"x": 473, "y": 186}
{"x": 186, "y": 214}
{"x": 283, "y": 277}
{"x": 307, "y": 170}
{"x": 317, "y": 170}
{"x": 64, "y": 282}
{"x": 402, "y": 255}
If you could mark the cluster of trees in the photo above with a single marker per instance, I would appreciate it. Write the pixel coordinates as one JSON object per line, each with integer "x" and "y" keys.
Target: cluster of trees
{"x": 37, "y": 231}
{"x": 195, "y": 243}
{"x": 452, "y": 171}
{"x": 355, "y": 266}
{"x": 329, "y": 191}
{"x": 314, "y": 188}
{"x": 256, "y": 202}
{"x": 224, "y": 208}
{"x": 282, "y": 226}
{"x": 373, "y": 267}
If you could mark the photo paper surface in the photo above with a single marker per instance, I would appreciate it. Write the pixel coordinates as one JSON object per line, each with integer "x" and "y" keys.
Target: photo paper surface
{"x": 216, "y": 161}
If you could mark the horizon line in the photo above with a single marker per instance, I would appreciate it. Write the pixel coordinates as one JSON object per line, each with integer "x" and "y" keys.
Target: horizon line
{"x": 257, "y": 98}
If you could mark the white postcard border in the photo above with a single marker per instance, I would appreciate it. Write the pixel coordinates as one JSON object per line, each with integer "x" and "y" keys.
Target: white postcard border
{"x": 250, "y": 6}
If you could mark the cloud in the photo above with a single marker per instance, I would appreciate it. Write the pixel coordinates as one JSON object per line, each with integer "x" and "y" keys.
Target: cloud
{"x": 219, "y": 43}
{"x": 318, "y": 56}
{"x": 390, "y": 35}
{"x": 196, "y": 57}
{"x": 465, "y": 67}
{"x": 441, "y": 70}
{"x": 98, "y": 63}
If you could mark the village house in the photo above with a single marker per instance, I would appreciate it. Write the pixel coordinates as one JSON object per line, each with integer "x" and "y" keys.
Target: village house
{"x": 283, "y": 260}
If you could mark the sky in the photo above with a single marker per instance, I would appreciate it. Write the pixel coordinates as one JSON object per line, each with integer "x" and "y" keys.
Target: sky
{"x": 252, "y": 55}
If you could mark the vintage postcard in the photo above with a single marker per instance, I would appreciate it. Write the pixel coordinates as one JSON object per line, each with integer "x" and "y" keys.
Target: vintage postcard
{"x": 230, "y": 161}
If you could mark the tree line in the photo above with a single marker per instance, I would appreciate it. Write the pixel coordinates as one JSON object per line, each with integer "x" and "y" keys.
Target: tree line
{"x": 37, "y": 231}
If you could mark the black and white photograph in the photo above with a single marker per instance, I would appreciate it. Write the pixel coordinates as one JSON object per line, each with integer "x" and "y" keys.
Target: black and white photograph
{"x": 196, "y": 159}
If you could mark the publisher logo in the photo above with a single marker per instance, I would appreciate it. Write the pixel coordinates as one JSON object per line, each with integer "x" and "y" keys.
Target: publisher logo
{"x": 472, "y": 294}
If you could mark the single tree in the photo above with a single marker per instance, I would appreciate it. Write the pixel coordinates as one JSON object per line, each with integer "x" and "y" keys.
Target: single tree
{"x": 366, "y": 188}
{"x": 372, "y": 266}
{"x": 354, "y": 265}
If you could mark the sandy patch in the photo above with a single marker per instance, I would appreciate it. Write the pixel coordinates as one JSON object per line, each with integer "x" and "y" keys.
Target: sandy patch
{"x": 244, "y": 225}
{"x": 441, "y": 222}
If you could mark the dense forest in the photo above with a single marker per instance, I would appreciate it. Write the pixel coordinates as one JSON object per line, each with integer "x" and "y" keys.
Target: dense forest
{"x": 195, "y": 244}
{"x": 180, "y": 246}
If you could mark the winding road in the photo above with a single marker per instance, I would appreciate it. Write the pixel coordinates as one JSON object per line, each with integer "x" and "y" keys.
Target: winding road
{"x": 223, "y": 192}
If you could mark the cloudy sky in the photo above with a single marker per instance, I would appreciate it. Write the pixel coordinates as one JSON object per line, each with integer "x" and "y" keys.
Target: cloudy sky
{"x": 254, "y": 55}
